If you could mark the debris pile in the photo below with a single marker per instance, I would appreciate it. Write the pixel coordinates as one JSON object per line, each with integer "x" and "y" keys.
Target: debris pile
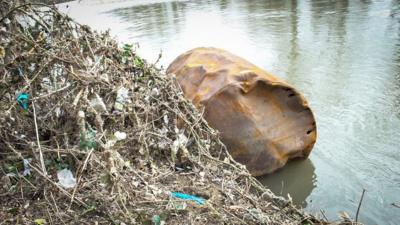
{"x": 93, "y": 134}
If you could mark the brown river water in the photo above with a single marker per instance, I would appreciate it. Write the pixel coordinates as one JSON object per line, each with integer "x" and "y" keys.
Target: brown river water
{"x": 343, "y": 55}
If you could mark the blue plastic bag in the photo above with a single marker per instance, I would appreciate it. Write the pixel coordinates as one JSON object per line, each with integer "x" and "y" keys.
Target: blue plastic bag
{"x": 23, "y": 99}
{"x": 198, "y": 200}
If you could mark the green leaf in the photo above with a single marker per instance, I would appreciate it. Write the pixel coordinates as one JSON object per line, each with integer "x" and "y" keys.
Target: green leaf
{"x": 89, "y": 209}
{"x": 127, "y": 50}
{"x": 88, "y": 140}
{"x": 138, "y": 62}
{"x": 156, "y": 219}
{"x": 127, "y": 47}
{"x": 13, "y": 211}
{"x": 2, "y": 52}
{"x": 105, "y": 178}
{"x": 61, "y": 164}
{"x": 39, "y": 221}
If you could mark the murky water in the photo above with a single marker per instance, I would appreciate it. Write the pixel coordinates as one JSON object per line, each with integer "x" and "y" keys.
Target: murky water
{"x": 343, "y": 55}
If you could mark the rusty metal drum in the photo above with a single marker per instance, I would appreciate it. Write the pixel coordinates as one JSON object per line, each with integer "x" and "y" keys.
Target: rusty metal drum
{"x": 263, "y": 121}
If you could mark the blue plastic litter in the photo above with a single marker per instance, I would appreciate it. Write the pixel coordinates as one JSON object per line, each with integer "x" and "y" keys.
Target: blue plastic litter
{"x": 198, "y": 200}
{"x": 23, "y": 100}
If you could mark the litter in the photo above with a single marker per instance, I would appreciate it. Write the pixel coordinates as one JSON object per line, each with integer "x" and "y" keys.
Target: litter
{"x": 27, "y": 169}
{"x": 122, "y": 95}
{"x": 196, "y": 199}
{"x": 20, "y": 72}
{"x": 66, "y": 178}
{"x": 179, "y": 144}
{"x": 23, "y": 99}
{"x": 120, "y": 135}
{"x": 97, "y": 103}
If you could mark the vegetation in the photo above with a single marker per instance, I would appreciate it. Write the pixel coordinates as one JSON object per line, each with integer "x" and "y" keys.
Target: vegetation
{"x": 119, "y": 126}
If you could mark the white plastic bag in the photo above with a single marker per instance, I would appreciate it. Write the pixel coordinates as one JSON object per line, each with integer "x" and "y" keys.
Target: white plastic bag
{"x": 66, "y": 179}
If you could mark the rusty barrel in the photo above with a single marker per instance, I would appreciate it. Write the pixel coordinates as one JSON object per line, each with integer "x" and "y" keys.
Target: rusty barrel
{"x": 262, "y": 120}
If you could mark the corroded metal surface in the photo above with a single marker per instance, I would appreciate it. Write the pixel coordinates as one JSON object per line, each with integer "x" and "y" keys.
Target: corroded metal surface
{"x": 263, "y": 121}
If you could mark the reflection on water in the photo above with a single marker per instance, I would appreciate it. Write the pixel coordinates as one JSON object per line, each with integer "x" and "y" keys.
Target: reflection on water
{"x": 296, "y": 179}
{"x": 343, "y": 55}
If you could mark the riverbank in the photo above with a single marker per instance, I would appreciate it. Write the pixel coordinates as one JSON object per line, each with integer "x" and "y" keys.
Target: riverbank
{"x": 92, "y": 133}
